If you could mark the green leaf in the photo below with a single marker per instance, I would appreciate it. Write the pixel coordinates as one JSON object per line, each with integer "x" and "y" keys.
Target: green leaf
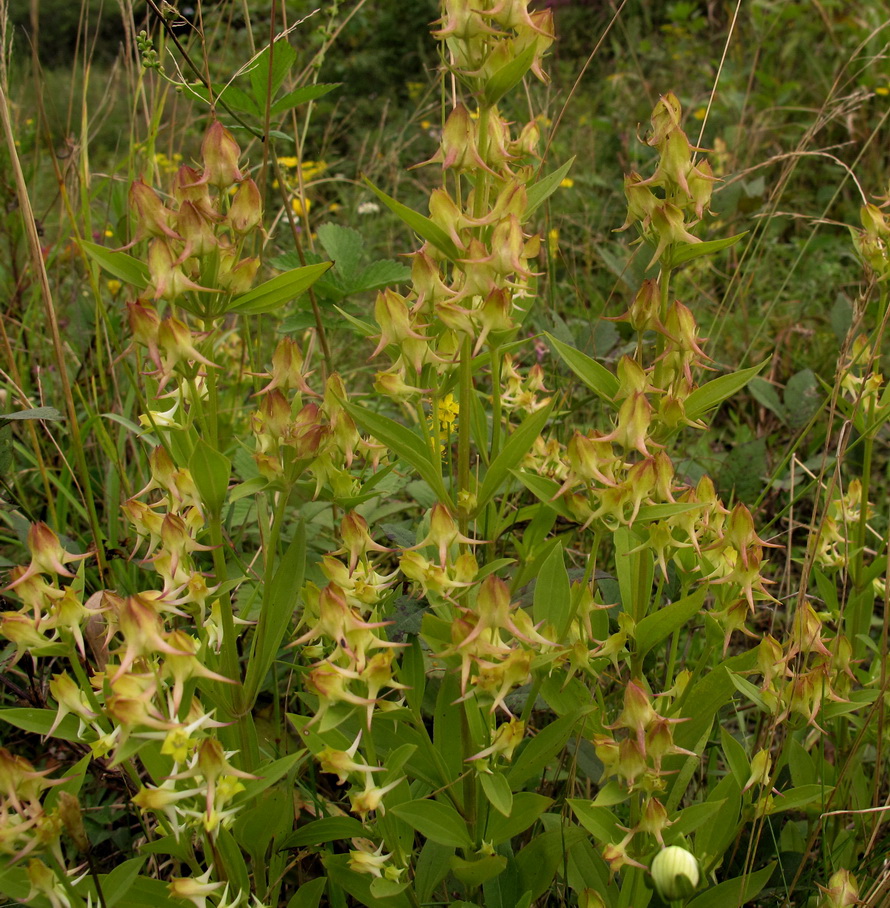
{"x": 40, "y": 721}
{"x": 478, "y": 871}
{"x": 539, "y": 861}
{"x": 421, "y": 225}
{"x": 431, "y": 868}
{"x": 380, "y": 274}
{"x": 229, "y": 95}
{"x": 327, "y": 829}
{"x": 280, "y": 597}
{"x": 527, "y": 807}
{"x": 553, "y": 596}
{"x": 405, "y": 444}
{"x": 543, "y": 748}
{"x": 598, "y": 378}
{"x": 358, "y": 885}
{"x": 269, "y": 774}
{"x": 309, "y": 894}
{"x": 211, "y": 471}
{"x": 692, "y": 817}
{"x": 517, "y": 446}
{"x": 765, "y": 394}
{"x": 302, "y": 96}
{"x": 344, "y": 246}
{"x": 497, "y": 791}
{"x": 717, "y": 390}
{"x": 735, "y": 757}
{"x": 33, "y": 413}
{"x": 686, "y": 253}
{"x": 435, "y": 820}
{"x": 540, "y": 191}
{"x": 509, "y": 75}
{"x": 802, "y": 796}
{"x": 735, "y": 892}
{"x": 278, "y": 291}
{"x": 117, "y": 884}
{"x": 660, "y": 625}
{"x": 802, "y": 398}
{"x": 270, "y": 68}
{"x": 365, "y": 329}
{"x": 544, "y": 489}
{"x": 600, "y": 822}
{"x": 118, "y": 264}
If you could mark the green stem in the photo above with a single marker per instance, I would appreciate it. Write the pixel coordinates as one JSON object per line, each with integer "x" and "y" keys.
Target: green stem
{"x": 463, "y": 433}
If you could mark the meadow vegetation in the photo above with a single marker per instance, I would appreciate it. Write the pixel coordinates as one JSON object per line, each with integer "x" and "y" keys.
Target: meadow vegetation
{"x": 444, "y": 454}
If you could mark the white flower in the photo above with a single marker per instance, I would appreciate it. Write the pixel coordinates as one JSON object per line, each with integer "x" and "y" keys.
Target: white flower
{"x": 368, "y": 208}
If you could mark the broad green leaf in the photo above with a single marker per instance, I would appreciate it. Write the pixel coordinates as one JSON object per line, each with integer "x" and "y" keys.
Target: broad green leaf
{"x": 280, "y": 597}
{"x": 543, "y": 748}
{"x": 480, "y": 870}
{"x": 421, "y": 225}
{"x": 735, "y": 892}
{"x": 405, "y": 444}
{"x": 540, "y": 191}
{"x": 801, "y": 797}
{"x": 497, "y": 791}
{"x": 686, "y": 253}
{"x": 802, "y": 765}
{"x": 527, "y": 807}
{"x": 518, "y": 445}
{"x": 765, "y": 394}
{"x": 383, "y": 888}
{"x": 717, "y": 833}
{"x": 309, "y": 894}
{"x": 40, "y": 721}
{"x": 691, "y": 818}
{"x": 119, "y": 265}
{"x": 544, "y": 489}
{"x": 635, "y": 566}
{"x": 553, "y": 596}
{"x": 735, "y": 756}
{"x": 660, "y": 625}
{"x": 600, "y": 822}
{"x": 33, "y": 413}
{"x": 597, "y": 377}
{"x": 509, "y": 75}
{"x": 435, "y": 820}
{"x": 211, "y": 471}
{"x": 302, "y": 96}
{"x": 230, "y": 96}
{"x": 269, "y": 774}
{"x": 380, "y": 274}
{"x": 117, "y": 884}
{"x": 717, "y": 390}
{"x": 327, "y": 829}
{"x": 277, "y": 292}
{"x": 539, "y": 860}
{"x": 431, "y": 868}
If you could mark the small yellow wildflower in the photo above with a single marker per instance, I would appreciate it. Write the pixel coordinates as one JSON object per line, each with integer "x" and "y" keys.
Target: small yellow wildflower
{"x": 300, "y": 207}
{"x": 567, "y": 183}
{"x": 553, "y": 241}
{"x": 109, "y": 233}
{"x": 425, "y": 124}
{"x": 699, "y": 113}
{"x": 882, "y": 90}
{"x": 447, "y": 410}
{"x": 114, "y": 286}
{"x": 290, "y": 162}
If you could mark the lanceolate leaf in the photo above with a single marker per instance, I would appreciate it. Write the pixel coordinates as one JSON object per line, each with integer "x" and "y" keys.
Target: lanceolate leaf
{"x": 34, "y": 413}
{"x": 553, "y": 597}
{"x": 719, "y": 389}
{"x": 598, "y": 378}
{"x": 661, "y": 624}
{"x": 279, "y": 290}
{"x": 544, "y": 188}
{"x": 421, "y": 225}
{"x": 739, "y": 891}
{"x": 509, "y": 75}
{"x": 119, "y": 265}
{"x": 687, "y": 253}
{"x": 436, "y": 821}
{"x": 301, "y": 96}
{"x": 518, "y": 445}
{"x": 404, "y": 443}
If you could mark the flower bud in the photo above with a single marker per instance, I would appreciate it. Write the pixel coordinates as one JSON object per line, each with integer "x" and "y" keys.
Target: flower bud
{"x": 220, "y": 153}
{"x": 675, "y": 873}
{"x": 247, "y": 209}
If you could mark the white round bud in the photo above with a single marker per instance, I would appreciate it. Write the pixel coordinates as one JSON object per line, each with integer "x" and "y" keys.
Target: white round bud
{"x": 675, "y": 873}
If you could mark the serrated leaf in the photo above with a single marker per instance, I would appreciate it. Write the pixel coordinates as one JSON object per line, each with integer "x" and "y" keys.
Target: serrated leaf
{"x": 421, "y": 225}
{"x": 118, "y": 264}
{"x": 436, "y": 821}
{"x": 597, "y": 377}
{"x": 270, "y": 69}
{"x": 302, "y": 96}
{"x": 687, "y": 253}
{"x": 380, "y": 274}
{"x": 540, "y": 191}
{"x": 344, "y": 246}
{"x": 278, "y": 291}
{"x": 717, "y": 390}
{"x": 404, "y": 443}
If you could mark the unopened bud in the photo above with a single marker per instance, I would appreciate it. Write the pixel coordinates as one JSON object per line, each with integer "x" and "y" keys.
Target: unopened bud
{"x": 675, "y": 873}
